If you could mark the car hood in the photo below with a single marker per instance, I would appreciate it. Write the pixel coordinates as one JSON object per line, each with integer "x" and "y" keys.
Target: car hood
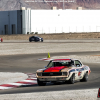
{"x": 55, "y": 69}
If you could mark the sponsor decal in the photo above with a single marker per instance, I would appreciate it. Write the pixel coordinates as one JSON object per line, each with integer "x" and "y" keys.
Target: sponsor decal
{"x": 79, "y": 73}
{"x": 72, "y": 70}
{"x": 86, "y": 68}
{"x": 80, "y": 69}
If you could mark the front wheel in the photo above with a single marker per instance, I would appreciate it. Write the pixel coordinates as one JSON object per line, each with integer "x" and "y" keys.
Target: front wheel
{"x": 40, "y": 83}
{"x": 72, "y": 79}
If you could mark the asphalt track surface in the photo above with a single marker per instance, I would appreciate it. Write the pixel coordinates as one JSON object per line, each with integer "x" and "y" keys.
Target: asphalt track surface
{"x": 29, "y": 64}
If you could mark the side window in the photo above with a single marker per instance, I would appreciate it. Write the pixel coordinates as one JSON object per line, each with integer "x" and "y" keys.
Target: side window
{"x": 78, "y": 63}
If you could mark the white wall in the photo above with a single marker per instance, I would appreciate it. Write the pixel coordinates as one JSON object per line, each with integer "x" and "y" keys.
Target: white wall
{"x": 59, "y": 21}
{"x": 26, "y": 21}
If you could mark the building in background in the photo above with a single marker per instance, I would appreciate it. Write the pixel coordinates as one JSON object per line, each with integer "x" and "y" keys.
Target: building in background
{"x": 11, "y": 22}
{"x": 27, "y": 21}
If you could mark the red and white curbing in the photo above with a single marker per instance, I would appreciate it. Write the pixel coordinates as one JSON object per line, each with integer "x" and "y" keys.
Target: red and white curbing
{"x": 31, "y": 80}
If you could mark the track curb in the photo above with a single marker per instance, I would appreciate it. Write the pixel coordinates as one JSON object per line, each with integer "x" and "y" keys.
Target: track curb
{"x": 31, "y": 80}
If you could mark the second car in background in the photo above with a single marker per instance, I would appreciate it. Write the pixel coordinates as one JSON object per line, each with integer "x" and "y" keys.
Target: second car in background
{"x": 35, "y": 38}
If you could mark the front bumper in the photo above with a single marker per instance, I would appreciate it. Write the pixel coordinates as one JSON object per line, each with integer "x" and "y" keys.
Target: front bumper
{"x": 53, "y": 79}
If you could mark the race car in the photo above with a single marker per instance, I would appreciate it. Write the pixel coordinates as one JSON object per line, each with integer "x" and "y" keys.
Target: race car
{"x": 62, "y": 70}
{"x": 35, "y": 38}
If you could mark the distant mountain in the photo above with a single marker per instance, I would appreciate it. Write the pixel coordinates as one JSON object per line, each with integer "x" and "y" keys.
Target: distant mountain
{"x": 89, "y": 4}
{"x": 48, "y": 4}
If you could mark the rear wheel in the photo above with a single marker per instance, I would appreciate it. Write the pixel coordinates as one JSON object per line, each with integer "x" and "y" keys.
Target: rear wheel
{"x": 30, "y": 41}
{"x": 40, "y": 83}
{"x": 72, "y": 79}
{"x": 41, "y": 40}
{"x": 85, "y": 78}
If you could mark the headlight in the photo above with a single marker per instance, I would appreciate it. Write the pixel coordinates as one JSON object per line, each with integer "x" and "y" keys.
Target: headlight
{"x": 39, "y": 74}
{"x": 64, "y": 73}
{"x": 39, "y": 71}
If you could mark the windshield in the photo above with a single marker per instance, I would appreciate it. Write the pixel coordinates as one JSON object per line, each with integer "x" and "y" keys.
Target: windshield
{"x": 37, "y": 36}
{"x": 53, "y": 64}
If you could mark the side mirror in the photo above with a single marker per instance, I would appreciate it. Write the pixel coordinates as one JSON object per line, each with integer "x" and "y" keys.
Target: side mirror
{"x": 45, "y": 66}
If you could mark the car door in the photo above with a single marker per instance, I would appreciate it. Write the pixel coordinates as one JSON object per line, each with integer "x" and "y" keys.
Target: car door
{"x": 79, "y": 70}
{"x": 33, "y": 38}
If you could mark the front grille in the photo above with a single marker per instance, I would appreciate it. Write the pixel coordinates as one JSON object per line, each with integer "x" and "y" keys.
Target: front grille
{"x": 52, "y": 74}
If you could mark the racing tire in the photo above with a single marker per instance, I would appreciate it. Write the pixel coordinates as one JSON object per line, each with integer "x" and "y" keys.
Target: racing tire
{"x": 41, "y": 40}
{"x": 85, "y": 78}
{"x": 72, "y": 79}
{"x": 30, "y": 41}
{"x": 40, "y": 83}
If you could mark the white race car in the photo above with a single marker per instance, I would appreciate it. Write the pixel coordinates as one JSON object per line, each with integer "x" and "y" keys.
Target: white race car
{"x": 63, "y": 70}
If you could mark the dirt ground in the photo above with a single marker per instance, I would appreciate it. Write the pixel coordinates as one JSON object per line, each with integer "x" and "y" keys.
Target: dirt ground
{"x": 53, "y": 36}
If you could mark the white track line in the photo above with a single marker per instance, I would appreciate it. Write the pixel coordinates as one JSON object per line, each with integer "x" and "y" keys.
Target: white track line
{"x": 29, "y": 81}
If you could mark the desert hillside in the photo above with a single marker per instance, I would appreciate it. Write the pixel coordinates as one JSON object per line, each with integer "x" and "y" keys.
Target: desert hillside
{"x": 48, "y": 4}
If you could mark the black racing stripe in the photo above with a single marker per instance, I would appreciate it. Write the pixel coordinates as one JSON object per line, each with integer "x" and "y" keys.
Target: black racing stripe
{"x": 44, "y": 70}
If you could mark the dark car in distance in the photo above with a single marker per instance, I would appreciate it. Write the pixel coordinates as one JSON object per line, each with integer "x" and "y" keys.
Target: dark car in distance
{"x": 35, "y": 38}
